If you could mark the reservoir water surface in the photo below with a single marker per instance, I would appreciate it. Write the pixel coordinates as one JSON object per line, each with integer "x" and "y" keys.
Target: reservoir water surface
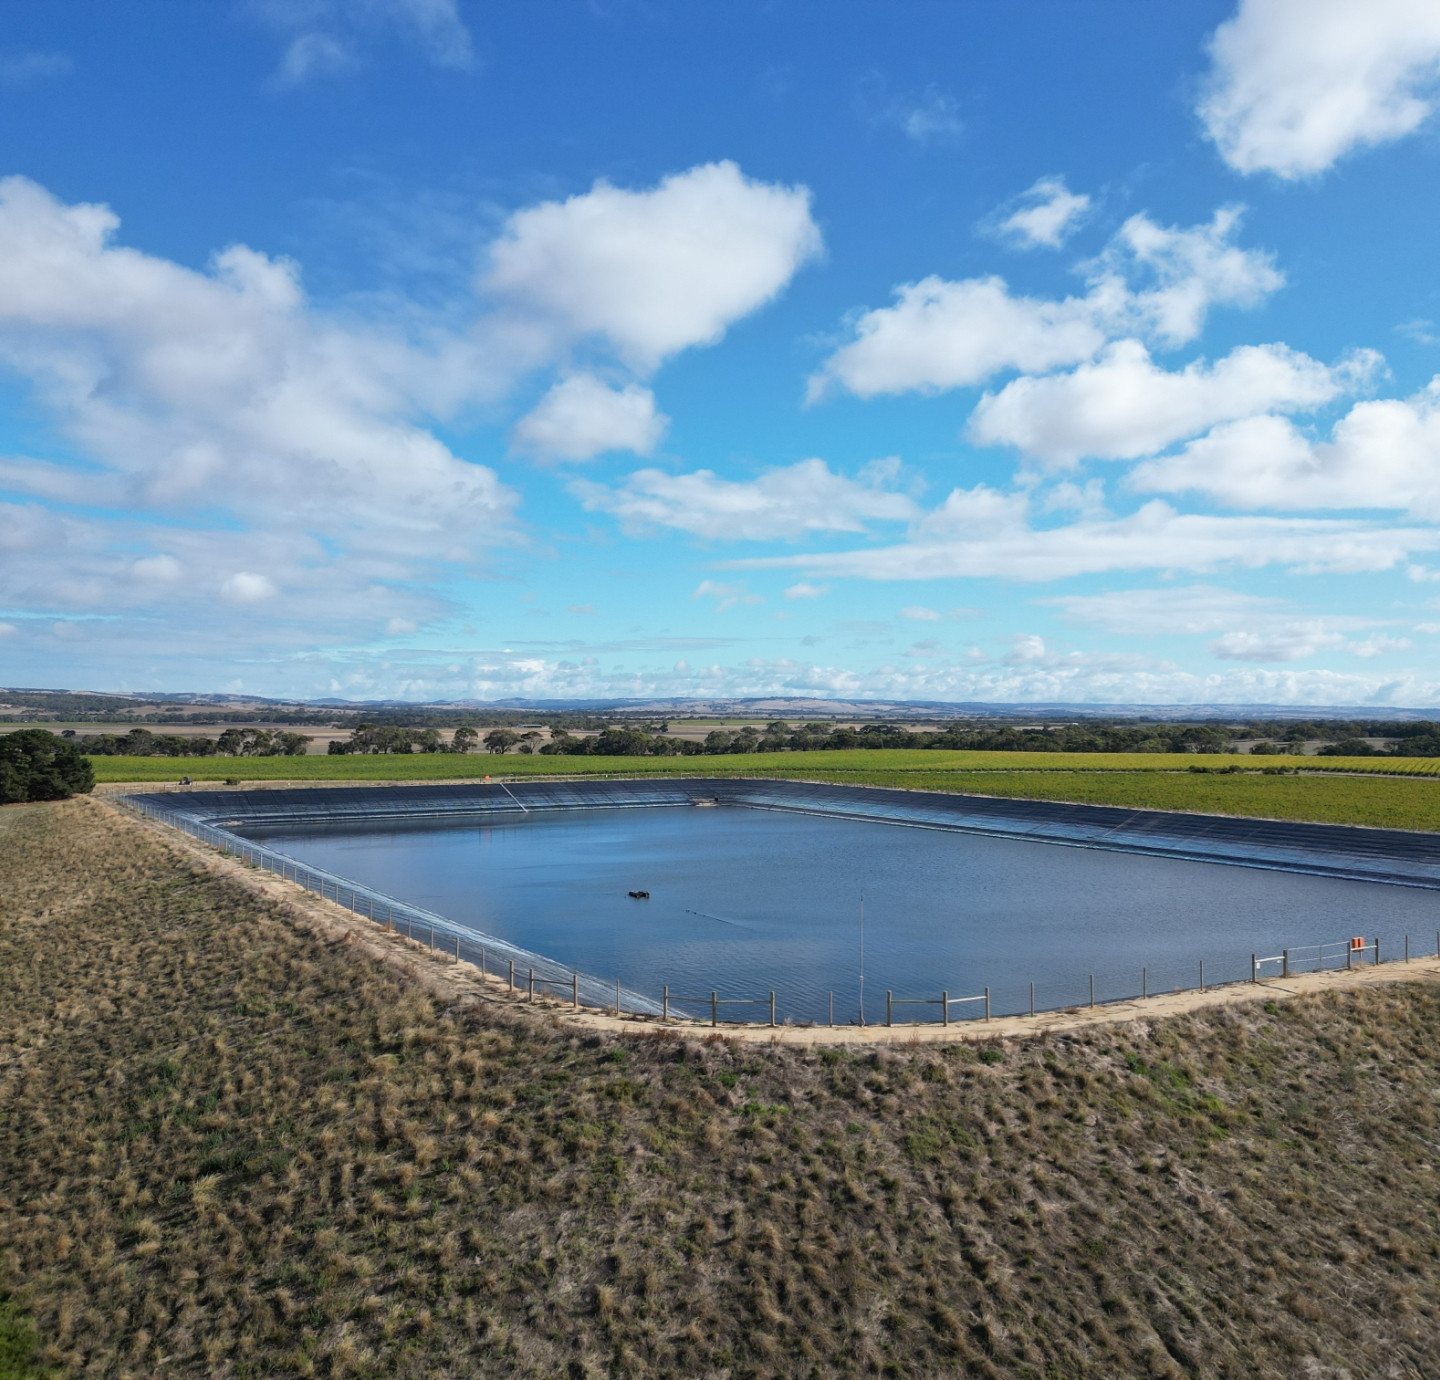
{"x": 744, "y": 901}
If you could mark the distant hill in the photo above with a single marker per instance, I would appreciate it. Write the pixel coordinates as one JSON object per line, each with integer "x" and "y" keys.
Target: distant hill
{"x": 88, "y": 704}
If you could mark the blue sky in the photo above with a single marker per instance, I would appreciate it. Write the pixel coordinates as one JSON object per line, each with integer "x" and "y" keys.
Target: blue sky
{"x": 946, "y": 351}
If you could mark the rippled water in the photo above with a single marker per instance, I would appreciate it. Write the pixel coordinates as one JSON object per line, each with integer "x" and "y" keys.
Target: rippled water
{"x": 744, "y": 901}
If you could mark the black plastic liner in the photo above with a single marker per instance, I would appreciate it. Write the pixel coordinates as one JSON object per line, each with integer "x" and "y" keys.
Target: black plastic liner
{"x": 1394, "y": 856}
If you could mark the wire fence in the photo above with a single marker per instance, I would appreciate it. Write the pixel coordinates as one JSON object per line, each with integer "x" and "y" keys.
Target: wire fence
{"x": 528, "y": 975}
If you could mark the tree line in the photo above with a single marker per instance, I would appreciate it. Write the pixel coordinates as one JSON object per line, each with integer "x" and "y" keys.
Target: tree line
{"x": 653, "y": 740}
{"x": 233, "y": 742}
{"x": 1343, "y": 738}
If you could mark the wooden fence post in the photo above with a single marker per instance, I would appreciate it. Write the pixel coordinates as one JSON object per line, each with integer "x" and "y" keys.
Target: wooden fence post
{"x": 665, "y": 1003}
{"x": 1202, "y": 974}
{"x": 772, "y": 1008}
{"x": 575, "y": 989}
{"x": 832, "y": 1009}
{"x": 887, "y": 1007}
{"x": 512, "y": 977}
{"x": 714, "y": 1010}
{"x": 1032, "y": 998}
{"x": 1254, "y": 969}
{"x": 987, "y": 1003}
{"x": 1092, "y": 989}
{"x": 1144, "y": 982}
{"x": 944, "y": 1008}
{"x": 532, "y": 984}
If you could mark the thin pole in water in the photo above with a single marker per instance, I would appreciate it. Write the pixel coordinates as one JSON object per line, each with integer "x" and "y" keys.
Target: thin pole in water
{"x": 1202, "y": 974}
{"x": 1032, "y": 998}
{"x": 1144, "y": 982}
{"x": 832, "y": 1008}
{"x": 1092, "y": 989}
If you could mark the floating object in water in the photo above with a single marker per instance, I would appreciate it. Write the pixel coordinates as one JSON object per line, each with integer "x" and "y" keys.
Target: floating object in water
{"x": 638, "y": 895}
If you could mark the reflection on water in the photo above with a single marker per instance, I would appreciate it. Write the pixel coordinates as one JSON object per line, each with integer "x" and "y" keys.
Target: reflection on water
{"x": 745, "y": 900}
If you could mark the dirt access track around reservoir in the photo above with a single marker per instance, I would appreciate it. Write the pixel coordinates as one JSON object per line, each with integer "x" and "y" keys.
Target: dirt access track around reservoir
{"x": 445, "y": 978}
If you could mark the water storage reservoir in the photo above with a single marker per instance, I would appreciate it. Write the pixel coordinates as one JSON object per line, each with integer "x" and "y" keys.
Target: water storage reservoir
{"x": 747, "y": 900}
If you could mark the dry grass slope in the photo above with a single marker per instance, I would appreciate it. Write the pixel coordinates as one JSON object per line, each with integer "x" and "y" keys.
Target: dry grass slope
{"x": 228, "y": 1147}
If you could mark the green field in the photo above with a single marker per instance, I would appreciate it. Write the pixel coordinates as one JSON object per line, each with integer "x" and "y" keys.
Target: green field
{"x": 924, "y": 761}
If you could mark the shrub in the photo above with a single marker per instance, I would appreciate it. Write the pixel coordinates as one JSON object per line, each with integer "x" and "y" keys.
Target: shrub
{"x": 37, "y": 765}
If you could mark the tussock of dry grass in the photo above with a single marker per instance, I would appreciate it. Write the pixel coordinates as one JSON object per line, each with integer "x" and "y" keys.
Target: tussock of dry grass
{"x": 230, "y": 1148}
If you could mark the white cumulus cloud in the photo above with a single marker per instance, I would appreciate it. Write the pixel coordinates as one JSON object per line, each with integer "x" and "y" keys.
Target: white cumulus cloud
{"x": 654, "y": 272}
{"x": 1124, "y": 405}
{"x": 223, "y": 392}
{"x": 582, "y": 417}
{"x": 781, "y": 503}
{"x": 940, "y": 335}
{"x": 1297, "y": 84}
{"x": 1044, "y": 216}
{"x": 1383, "y": 453}
{"x": 1153, "y": 281}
